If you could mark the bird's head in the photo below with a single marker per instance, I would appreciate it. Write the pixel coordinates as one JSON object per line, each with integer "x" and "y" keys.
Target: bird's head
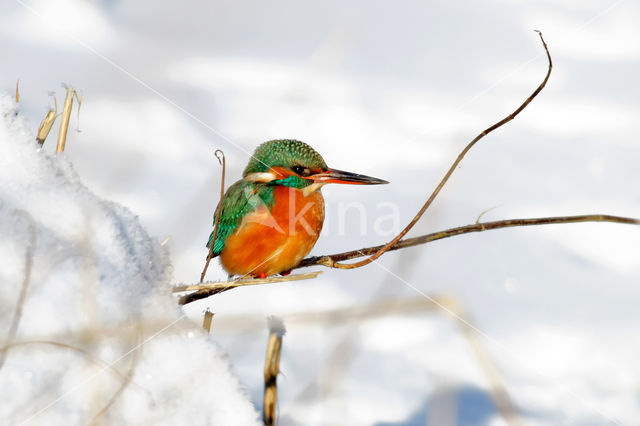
{"x": 293, "y": 163}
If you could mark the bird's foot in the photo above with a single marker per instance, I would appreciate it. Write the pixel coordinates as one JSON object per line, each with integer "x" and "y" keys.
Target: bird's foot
{"x": 285, "y": 273}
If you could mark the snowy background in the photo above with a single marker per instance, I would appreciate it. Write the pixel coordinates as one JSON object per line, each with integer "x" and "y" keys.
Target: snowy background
{"x": 389, "y": 89}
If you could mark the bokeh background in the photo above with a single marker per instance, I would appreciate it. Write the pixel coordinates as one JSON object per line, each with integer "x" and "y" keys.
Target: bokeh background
{"x": 393, "y": 90}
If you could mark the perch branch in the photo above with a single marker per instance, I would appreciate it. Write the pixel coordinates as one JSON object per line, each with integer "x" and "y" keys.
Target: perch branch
{"x": 223, "y": 162}
{"x": 209, "y": 289}
{"x": 330, "y": 260}
{"x": 446, "y": 177}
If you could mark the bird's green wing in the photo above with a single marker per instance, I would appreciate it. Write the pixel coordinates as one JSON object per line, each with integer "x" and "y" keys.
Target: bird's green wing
{"x": 240, "y": 199}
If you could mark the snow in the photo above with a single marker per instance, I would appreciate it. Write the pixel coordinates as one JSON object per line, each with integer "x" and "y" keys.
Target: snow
{"x": 98, "y": 311}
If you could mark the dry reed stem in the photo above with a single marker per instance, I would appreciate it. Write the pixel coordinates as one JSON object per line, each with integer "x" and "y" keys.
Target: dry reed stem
{"x": 17, "y": 90}
{"x": 66, "y": 115}
{"x": 340, "y": 317}
{"x": 93, "y": 335}
{"x": 45, "y": 126}
{"x": 238, "y": 324}
{"x": 208, "y": 318}
{"x": 497, "y": 388}
{"x": 223, "y": 162}
{"x": 338, "y": 359}
{"x": 271, "y": 370}
{"x": 64, "y": 124}
{"x": 209, "y": 289}
{"x": 243, "y": 323}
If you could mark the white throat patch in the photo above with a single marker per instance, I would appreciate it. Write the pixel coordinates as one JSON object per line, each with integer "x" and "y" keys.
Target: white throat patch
{"x": 312, "y": 188}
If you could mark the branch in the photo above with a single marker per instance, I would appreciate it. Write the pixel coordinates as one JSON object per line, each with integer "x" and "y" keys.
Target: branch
{"x": 446, "y": 177}
{"x": 204, "y": 290}
{"x": 209, "y": 289}
{"x": 331, "y": 260}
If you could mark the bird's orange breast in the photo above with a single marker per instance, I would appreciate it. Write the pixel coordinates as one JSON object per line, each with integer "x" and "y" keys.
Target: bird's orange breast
{"x": 269, "y": 242}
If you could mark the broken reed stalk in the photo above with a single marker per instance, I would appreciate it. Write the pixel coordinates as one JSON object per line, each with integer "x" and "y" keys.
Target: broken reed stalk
{"x": 330, "y": 260}
{"x": 223, "y": 162}
{"x": 17, "y": 90}
{"x": 444, "y": 180}
{"x": 46, "y": 125}
{"x": 271, "y": 370}
{"x": 208, "y": 318}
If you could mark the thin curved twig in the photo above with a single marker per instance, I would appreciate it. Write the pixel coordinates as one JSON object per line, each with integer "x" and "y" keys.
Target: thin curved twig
{"x": 26, "y": 280}
{"x": 123, "y": 386}
{"x": 331, "y": 260}
{"x": 223, "y": 162}
{"x": 446, "y": 177}
{"x": 88, "y": 355}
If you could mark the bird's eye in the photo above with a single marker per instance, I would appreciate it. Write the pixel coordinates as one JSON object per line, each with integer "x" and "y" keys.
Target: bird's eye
{"x": 301, "y": 171}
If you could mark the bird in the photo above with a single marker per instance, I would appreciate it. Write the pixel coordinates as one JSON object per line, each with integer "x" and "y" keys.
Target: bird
{"x": 272, "y": 217}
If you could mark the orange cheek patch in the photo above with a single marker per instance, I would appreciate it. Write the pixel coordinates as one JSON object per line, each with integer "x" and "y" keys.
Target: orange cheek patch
{"x": 281, "y": 172}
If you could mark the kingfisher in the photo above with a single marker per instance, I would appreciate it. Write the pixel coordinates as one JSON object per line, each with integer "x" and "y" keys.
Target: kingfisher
{"x": 272, "y": 217}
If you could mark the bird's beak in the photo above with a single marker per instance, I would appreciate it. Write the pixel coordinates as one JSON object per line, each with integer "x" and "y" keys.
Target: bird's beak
{"x": 340, "y": 176}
